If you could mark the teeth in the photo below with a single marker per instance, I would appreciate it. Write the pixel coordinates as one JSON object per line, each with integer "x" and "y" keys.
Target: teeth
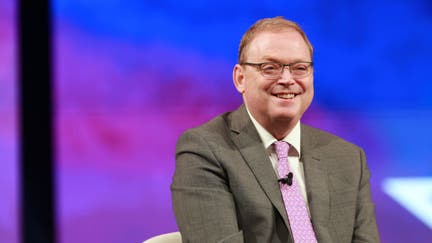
{"x": 285, "y": 96}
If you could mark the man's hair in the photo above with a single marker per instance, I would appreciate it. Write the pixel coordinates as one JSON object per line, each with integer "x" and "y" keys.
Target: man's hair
{"x": 276, "y": 24}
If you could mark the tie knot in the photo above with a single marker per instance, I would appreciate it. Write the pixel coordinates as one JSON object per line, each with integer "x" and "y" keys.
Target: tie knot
{"x": 281, "y": 149}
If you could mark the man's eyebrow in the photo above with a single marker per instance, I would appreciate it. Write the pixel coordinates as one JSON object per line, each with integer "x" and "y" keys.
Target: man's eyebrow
{"x": 271, "y": 59}
{"x": 274, "y": 59}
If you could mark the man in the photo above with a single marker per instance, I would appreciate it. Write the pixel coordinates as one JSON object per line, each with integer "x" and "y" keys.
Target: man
{"x": 232, "y": 182}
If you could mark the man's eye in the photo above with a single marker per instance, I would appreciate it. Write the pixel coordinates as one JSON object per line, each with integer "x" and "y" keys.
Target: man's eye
{"x": 270, "y": 67}
{"x": 300, "y": 67}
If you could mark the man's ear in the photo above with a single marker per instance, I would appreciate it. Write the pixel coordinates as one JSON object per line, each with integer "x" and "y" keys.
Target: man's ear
{"x": 238, "y": 78}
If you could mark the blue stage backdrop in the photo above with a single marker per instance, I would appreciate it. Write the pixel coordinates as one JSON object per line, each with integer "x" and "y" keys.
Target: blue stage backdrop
{"x": 131, "y": 76}
{"x": 8, "y": 124}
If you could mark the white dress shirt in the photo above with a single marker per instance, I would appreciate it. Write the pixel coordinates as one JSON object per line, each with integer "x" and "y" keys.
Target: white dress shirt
{"x": 293, "y": 138}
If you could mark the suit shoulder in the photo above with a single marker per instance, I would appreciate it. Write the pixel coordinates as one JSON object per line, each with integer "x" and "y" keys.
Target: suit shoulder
{"x": 216, "y": 127}
{"x": 324, "y": 137}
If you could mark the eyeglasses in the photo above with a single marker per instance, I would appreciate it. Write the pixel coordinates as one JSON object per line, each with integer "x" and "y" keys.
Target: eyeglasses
{"x": 275, "y": 69}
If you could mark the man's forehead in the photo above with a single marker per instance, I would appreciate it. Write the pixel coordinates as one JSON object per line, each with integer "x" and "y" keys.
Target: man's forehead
{"x": 276, "y": 41}
{"x": 285, "y": 33}
{"x": 271, "y": 43}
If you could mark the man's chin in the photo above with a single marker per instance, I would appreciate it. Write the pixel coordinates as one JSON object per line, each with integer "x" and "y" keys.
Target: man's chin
{"x": 285, "y": 118}
{"x": 285, "y": 114}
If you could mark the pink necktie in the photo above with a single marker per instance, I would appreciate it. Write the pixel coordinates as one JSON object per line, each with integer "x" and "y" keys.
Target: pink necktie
{"x": 295, "y": 205}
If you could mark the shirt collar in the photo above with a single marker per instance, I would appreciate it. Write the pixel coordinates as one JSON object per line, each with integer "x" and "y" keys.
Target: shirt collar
{"x": 293, "y": 138}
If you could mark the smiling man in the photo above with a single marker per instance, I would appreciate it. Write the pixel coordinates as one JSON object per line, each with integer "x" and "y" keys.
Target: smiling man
{"x": 257, "y": 174}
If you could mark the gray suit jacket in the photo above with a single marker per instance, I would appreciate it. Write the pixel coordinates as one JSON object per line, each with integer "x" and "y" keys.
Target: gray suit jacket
{"x": 225, "y": 190}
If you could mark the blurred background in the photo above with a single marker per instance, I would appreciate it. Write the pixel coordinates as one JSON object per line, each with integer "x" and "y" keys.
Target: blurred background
{"x": 130, "y": 77}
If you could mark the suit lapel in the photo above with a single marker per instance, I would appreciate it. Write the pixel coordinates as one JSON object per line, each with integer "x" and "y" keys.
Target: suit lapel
{"x": 316, "y": 180}
{"x": 247, "y": 140}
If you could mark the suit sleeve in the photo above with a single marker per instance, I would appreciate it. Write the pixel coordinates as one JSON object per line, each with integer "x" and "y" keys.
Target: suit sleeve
{"x": 365, "y": 227}
{"x": 204, "y": 207}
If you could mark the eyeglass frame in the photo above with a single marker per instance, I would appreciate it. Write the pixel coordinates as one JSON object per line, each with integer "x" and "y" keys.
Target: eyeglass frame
{"x": 289, "y": 65}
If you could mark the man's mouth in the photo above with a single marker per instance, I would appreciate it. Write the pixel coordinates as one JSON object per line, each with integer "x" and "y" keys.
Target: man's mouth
{"x": 286, "y": 95}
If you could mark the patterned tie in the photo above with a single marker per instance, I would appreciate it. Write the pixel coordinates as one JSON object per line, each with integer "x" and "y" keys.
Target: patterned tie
{"x": 295, "y": 205}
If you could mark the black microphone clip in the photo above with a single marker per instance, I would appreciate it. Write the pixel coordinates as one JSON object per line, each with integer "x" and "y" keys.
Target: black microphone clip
{"x": 288, "y": 179}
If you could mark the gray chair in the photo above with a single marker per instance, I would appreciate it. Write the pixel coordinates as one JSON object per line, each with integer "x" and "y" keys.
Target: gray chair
{"x": 173, "y": 237}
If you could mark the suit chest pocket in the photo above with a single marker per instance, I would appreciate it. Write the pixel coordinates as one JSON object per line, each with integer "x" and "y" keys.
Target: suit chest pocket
{"x": 342, "y": 193}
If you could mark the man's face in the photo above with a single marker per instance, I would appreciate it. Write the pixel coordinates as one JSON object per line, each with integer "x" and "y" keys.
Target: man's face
{"x": 270, "y": 100}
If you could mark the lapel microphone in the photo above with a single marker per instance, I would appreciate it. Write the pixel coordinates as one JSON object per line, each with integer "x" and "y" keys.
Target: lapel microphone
{"x": 287, "y": 179}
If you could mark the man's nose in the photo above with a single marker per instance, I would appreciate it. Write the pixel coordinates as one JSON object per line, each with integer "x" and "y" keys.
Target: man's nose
{"x": 286, "y": 76}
